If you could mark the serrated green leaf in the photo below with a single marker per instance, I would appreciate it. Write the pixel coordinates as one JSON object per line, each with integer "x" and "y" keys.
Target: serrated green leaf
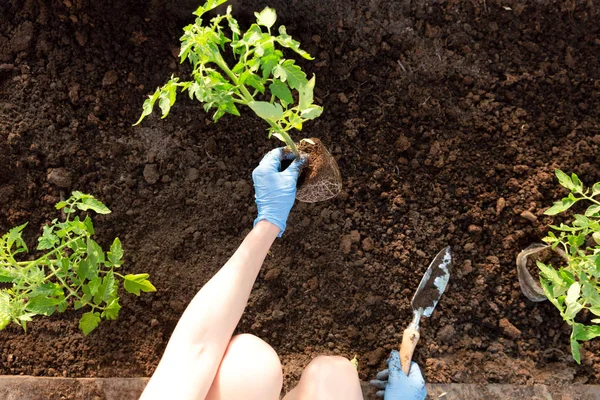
{"x": 112, "y": 310}
{"x": 78, "y": 304}
{"x": 95, "y": 253}
{"x": 266, "y": 110}
{"x": 94, "y": 284}
{"x": 268, "y": 62}
{"x": 573, "y": 293}
{"x": 266, "y": 17}
{"x": 286, "y": 40}
{"x": 306, "y": 94}
{"x": 48, "y": 239}
{"x": 89, "y": 321}
{"x": 116, "y": 253}
{"x": 148, "y": 106}
{"x": 288, "y": 71}
{"x": 110, "y": 287}
{"x": 42, "y": 305}
{"x": 14, "y": 238}
{"x": 564, "y": 179}
{"x": 89, "y": 225}
{"x": 592, "y": 210}
{"x": 577, "y": 185}
{"x": 135, "y": 283}
{"x": 251, "y": 79}
{"x": 5, "y": 309}
{"x": 91, "y": 203}
{"x": 209, "y": 5}
{"x": 281, "y": 91}
{"x": 560, "y": 206}
{"x": 312, "y": 112}
{"x": 551, "y": 274}
{"x": 47, "y": 289}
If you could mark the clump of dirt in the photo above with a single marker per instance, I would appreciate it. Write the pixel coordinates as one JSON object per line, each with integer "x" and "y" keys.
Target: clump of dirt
{"x": 320, "y": 179}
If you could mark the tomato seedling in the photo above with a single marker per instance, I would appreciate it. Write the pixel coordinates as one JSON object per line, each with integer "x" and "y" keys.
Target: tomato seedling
{"x": 574, "y": 287}
{"x": 261, "y": 78}
{"x": 73, "y": 270}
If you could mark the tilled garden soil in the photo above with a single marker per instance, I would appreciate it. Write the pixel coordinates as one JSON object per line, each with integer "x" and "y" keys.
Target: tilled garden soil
{"x": 447, "y": 120}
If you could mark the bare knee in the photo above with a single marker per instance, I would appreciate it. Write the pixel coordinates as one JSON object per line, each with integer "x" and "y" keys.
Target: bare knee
{"x": 328, "y": 366}
{"x": 250, "y": 350}
{"x": 328, "y": 377}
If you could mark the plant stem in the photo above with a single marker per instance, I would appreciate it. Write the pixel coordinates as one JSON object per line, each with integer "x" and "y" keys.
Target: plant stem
{"x": 286, "y": 138}
{"x": 73, "y": 293}
{"x": 223, "y": 65}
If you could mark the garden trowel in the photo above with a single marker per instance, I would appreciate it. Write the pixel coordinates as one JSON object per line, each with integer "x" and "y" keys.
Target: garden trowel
{"x": 423, "y": 303}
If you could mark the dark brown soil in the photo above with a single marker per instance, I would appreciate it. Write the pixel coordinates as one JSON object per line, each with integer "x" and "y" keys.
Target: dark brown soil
{"x": 447, "y": 119}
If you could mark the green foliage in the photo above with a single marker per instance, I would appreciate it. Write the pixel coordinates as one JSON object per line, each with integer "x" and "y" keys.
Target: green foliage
{"x": 262, "y": 78}
{"x": 574, "y": 287}
{"x": 72, "y": 270}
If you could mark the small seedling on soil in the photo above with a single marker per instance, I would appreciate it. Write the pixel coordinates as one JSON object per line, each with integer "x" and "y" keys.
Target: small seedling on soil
{"x": 72, "y": 270}
{"x": 261, "y": 77}
{"x": 574, "y": 287}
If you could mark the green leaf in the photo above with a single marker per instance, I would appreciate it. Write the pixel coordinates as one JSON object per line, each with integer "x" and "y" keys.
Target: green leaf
{"x": 47, "y": 289}
{"x": 269, "y": 62}
{"x": 5, "y": 309}
{"x": 286, "y": 40}
{"x": 112, "y": 310}
{"x": 306, "y": 94}
{"x": 282, "y": 92}
{"x": 592, "y": 210}
{"x": 42, "y": 305}
{"x": 564, "y": 180}
{"x": 14, "y": 237}
{"x": 586, "y": 332}
{"x": 94, "y": 285}
{"x": 288, "y": 71}
{"x": 312, "y": 112}
{"x": 209, "y": 5}
{"x": 95, "y": 253}
{"x": 560, "y": 206}
{"x": 116, "y": 253}
{"x": 61, "y": 204}
{"x": 135, "y": 283}
{"x": 89, "y": 321}
{"x": 148, "y": 106}
{"x": 110, "y": 286}
{"x": 550, "y": 273}
{"x": 78, "y": 304}
{"x": 266, "y": 110}
{"x": 575, "y": 351}
{"x": 573, "y": 293}
{"x": 251, "y": 79}
{"x": 266, "y": 17}
{"x": 48, "y": 239}
{"x": 90, "y": 203}
{"x": 596, "y": 189}
{"x": 572, "y": 310}
{"x": 89, "y": 225}
{"x": 578, "y": 186}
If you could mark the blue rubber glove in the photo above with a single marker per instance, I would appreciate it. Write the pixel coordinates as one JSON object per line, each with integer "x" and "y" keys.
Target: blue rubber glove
{"x": 397, "y": 386}
{"x": 275, "y": 191}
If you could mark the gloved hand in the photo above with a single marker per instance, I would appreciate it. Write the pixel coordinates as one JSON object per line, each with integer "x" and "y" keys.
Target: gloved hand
{"x": 396, "y": 385}
{"x": 275, "y": 191}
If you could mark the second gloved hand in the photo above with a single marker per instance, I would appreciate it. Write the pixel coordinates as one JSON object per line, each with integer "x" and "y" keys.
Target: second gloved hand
{"x": 275, "y": 191}
{"x": 397, "y": 386}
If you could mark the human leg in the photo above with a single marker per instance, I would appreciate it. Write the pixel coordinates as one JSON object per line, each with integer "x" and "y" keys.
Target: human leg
{"x": 250, "y": 370}
{"x": 327, "y": 378}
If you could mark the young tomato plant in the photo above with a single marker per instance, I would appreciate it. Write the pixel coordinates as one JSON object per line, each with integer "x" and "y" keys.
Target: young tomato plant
{"x": 261, "y": 78}
{"x": 72, "y": 270}
{"x": 574, "y": 287}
